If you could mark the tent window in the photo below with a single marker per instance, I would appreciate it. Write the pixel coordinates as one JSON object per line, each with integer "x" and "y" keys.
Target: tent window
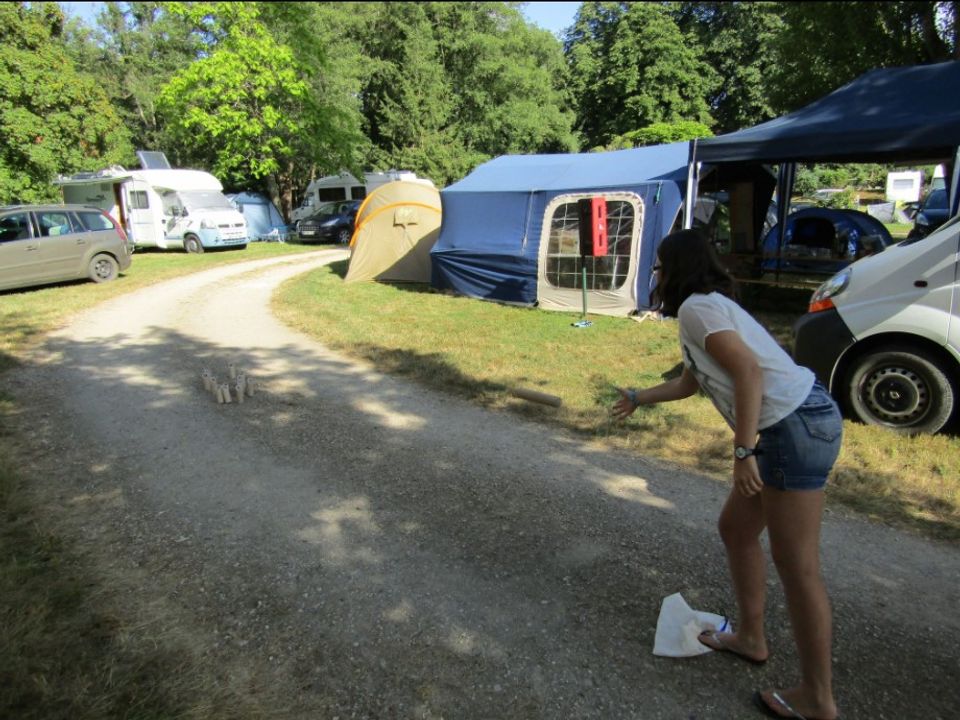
{"x": 563, "y": 266}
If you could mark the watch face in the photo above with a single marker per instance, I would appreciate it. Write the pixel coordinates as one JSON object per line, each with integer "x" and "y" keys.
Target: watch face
{"x": 741, "y": 452}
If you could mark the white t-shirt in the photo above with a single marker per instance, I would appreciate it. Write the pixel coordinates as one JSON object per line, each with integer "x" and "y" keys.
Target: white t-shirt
{"x": 785, "y": 384}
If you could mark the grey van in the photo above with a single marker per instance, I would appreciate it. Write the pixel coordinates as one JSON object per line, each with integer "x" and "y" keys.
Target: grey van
{"x": 42, "y": 244}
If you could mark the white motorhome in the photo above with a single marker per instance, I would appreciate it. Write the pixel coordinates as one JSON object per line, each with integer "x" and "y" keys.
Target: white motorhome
{"x": 345, "y": 186}
{"x": 166, "y": 208}
{"x": 884, "y": 334}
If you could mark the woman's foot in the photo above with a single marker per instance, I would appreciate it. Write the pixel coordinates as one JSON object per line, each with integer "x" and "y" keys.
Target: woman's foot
{"x": 752, "y": 651}
{"x": 794, "y": 704}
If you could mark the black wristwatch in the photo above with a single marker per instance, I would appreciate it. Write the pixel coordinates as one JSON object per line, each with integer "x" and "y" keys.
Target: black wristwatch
{"x": 741, "y": 453}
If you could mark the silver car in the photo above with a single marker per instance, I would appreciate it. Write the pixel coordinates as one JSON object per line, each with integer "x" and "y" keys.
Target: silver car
{"x": 42, "y": 244}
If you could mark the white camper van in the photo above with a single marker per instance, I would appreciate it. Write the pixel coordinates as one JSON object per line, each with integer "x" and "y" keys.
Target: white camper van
{"x": 884, "y": 334}
{"x": 345, "y": 186}
{"x": 164, "y": 208}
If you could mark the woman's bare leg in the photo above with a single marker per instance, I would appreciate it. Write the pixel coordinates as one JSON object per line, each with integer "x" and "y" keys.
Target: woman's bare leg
{"x": 741, "y": 523}
{"x": 793, "y": 523}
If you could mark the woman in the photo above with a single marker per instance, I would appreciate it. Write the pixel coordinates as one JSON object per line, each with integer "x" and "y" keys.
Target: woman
{"x": 786, "y": 437}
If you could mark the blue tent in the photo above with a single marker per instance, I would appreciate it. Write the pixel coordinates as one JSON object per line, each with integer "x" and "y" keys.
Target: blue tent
{"x": 823, "y": 241}
{"x": 510, "y": 229}
{"x": 264, "y": 221}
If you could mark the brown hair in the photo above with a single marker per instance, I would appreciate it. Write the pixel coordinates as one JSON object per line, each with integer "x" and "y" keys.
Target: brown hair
{"x": 688, "y": 265}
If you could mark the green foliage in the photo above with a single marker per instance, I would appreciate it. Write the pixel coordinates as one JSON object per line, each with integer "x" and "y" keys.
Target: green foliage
{"x": 660, "y": 133}
{"x": 137, "y": 48}
{"x": 453, "y": 84}
{"x": 631, "y": 67}
{"x": 846, "y": 199}
{"x": 736, "y": 39}
{"x": 54, "y": 119}
{"x": 245, "y": 107}
{"x": 822, "y": 46}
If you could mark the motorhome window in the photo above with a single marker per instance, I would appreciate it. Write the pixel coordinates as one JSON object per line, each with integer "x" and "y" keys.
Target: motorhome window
{"x": 358, "y": 192}
{"x": 15, "y": 226}
{"x": 139, "y": 200}
{"x": 93, "y": 221}
{"x": 331, "y": 194}
{"x": 564, "y": 264}
{"x": 205, "y": 200}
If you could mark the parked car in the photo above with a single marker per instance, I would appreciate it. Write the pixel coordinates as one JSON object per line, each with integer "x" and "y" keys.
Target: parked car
{"x": 333, "y": 222}
{"x": 42, "y": 244}
{"x": 931, "y": 214}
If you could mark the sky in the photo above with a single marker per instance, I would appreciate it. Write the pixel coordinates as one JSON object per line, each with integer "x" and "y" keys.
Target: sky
{"x": 553, "y": 16}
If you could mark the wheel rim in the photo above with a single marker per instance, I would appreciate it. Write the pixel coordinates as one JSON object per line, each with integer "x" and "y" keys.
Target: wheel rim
{"x": 102, "y": 269}
{"x": 896, "y": 395}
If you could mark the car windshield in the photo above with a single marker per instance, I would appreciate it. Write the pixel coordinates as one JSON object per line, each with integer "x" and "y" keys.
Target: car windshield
{"x": 205, "y": 200}
{"x": 329, "y": 208}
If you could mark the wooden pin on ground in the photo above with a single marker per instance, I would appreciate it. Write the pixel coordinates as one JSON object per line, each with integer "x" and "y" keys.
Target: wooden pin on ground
{"x": 537, "y": 397}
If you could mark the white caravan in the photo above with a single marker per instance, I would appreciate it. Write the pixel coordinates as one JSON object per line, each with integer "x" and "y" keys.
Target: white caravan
{"x": 164, "y": 208}
{"x": 345, "y": 186}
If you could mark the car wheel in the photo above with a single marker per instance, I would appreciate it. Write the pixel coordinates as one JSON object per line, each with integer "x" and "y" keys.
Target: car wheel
{"x": 901, "y": 388}
{"x": 103, "y": 268}
{"x": 191, "y": 243}
{"x": 343, "y": 236}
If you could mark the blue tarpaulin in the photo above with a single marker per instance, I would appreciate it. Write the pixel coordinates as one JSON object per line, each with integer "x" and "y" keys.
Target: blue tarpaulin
{"x": 489, "y": 244}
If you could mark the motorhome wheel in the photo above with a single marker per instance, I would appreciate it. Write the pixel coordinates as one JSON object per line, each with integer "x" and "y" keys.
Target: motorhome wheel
{"x": 191, "y": 243}
{"x": 901, "y": 388}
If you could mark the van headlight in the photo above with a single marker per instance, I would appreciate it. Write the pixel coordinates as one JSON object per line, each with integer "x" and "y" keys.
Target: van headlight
{"x": 823, "y": 297}
{"x": 208, "y": 224}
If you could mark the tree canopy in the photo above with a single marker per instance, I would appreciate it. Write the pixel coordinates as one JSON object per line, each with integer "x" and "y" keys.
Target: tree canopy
{"x": 268, "y": 96}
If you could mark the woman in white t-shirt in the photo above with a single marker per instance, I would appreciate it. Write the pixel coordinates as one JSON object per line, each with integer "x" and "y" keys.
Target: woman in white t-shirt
{"x": 786, "y": 436}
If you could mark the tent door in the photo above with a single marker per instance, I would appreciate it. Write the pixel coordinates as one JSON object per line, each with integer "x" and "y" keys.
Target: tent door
{"x": 611, "y": 280}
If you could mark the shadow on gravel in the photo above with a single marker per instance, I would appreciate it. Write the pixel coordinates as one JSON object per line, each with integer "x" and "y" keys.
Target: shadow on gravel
{"x": 397, "y": 553}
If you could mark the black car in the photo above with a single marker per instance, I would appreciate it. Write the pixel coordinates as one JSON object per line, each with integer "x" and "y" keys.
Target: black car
{"x": 333, "y": 222}
{"x": 932, "y": 214}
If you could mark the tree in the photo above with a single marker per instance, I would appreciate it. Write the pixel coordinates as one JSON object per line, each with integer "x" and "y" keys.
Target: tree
{"x": 136, "y": 48}
{"x": 245, "y": 107}
{"x": 825, "y": 45}
{"x": 54, "y": 119}
{"x": 452, "y": 84}
{"x": 631, "y": 67}
{"x": 736, "y": 40}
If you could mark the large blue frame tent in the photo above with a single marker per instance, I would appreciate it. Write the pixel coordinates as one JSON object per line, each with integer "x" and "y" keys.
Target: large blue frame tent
{"x": 510, "y": 229}
{"x": 889, "y": 115}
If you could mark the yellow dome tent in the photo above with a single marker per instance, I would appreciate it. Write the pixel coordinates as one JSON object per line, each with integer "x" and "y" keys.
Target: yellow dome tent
{"x": 395, "y": 229}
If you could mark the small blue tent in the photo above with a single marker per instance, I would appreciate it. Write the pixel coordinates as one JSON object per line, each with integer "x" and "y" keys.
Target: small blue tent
{"x": 510, "y": 229}
{"x": 823, "y": 241}
{"x": 264, "y": 221}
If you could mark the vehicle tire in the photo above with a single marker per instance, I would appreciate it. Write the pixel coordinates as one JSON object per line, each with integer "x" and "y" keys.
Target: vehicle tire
{"x": 343, "y": 236}
{"x": 103, "y": 268}
{"x": 192, "y": 244}
{"x": 902, "y": 388}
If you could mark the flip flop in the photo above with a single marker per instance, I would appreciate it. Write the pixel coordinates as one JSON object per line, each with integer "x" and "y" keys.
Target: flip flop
{"x": 723, "y": 647}
{"x": 769, "y": 711}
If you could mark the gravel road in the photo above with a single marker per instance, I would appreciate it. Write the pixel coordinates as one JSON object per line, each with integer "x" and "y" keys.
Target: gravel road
{"x": 365, "y": 548}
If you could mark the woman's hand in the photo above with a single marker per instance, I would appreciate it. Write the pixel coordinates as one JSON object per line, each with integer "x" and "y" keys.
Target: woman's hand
{"x": 746, "y": 476}
{"x": 624, "y": 407}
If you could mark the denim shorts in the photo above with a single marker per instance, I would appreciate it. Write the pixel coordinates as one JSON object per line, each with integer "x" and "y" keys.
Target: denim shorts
{"x": 800, "y": 450}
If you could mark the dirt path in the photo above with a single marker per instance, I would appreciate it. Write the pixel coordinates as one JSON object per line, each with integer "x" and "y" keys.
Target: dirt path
{"x": 364, "y": 548}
